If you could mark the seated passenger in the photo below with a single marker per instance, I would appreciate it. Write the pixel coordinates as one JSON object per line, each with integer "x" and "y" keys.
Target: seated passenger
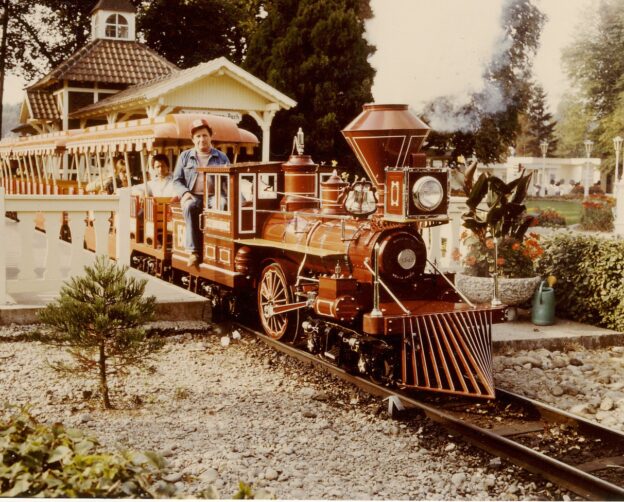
{"x": 108, "y": 186}
{"x": 161, "y": 182}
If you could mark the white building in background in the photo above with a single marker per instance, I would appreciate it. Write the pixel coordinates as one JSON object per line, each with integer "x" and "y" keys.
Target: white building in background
{"x": 547, "y": 172}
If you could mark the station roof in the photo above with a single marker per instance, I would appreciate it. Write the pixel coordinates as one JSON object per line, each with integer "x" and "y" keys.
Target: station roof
{"x": 239, "y": 82}
{"x": 115, "y": 5}
{"x": 42, "y": 105}
{"x": 109, "y": 61}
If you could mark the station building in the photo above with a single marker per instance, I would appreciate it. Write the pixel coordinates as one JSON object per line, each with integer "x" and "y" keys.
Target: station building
{"x": 116, "y": 78}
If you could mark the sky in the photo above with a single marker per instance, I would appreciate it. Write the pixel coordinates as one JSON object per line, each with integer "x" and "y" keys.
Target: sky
{"x": 428, "y": 48}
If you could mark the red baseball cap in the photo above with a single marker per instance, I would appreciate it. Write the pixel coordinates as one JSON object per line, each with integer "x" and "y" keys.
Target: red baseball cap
{"x": 198, "y": 124}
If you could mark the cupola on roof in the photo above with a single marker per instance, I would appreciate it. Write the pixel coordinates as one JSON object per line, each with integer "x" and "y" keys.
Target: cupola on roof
{"x": 115, "y": 5}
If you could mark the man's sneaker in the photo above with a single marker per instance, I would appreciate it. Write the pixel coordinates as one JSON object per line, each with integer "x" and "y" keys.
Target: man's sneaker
{"x": 193, "y": 260}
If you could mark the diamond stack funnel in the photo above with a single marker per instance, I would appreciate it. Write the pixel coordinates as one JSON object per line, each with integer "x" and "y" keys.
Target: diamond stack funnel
{"x": 386, "y": 136}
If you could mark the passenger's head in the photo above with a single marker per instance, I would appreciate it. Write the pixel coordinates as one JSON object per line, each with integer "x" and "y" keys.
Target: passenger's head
{"x": 161, "y": 166}
{"x": 201, "y": 134}
{"x": 120, "y": 168}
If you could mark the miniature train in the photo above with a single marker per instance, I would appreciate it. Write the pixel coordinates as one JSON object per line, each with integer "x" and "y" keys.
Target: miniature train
{"x": 337, "y": 267}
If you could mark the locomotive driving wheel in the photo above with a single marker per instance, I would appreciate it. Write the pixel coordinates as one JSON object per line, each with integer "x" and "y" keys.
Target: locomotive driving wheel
{"x": 274, "y": 291}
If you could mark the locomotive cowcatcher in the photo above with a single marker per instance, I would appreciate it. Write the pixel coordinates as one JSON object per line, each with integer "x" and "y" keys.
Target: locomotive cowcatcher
{"x": 342, "y": 268}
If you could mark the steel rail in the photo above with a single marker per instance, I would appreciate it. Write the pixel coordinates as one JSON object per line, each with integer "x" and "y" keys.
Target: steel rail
{"x": 560, "y": 473}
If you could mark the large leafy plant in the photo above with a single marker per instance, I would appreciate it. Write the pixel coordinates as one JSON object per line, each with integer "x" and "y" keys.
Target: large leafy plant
{"x": 497, "y": 224}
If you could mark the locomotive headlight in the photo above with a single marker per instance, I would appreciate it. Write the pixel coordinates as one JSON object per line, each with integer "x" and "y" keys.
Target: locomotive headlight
{"x": 406, "y": 259}
{"x": 427, "y": 193}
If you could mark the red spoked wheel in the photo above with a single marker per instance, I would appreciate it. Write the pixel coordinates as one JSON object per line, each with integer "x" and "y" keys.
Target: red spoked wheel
{"x": 274, "y": 291}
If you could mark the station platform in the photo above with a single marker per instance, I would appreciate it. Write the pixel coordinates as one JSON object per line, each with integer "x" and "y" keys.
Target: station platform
{"x": 522, "y": 334}
{"x": 172, "y": 302}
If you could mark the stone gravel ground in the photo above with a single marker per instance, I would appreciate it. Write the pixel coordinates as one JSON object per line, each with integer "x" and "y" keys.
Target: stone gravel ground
{"x": 242, "y": 412}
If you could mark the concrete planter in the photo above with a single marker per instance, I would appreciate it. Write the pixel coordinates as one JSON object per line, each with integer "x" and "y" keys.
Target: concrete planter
{"x": 511, "y": 292}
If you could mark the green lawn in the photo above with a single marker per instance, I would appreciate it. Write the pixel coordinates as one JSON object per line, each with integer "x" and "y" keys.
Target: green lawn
{"x": 569, "y": 209}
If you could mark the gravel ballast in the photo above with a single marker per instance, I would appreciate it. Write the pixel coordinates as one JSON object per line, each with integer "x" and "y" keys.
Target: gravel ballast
{"x": 221, "y": 414}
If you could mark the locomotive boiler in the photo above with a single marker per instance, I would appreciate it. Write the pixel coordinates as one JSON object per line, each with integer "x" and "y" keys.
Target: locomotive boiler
{"x": 342, "y": 268}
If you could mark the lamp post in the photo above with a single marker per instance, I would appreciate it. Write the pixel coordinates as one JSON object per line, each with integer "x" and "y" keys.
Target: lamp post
{"x": 617, "y": 144}
{"x": 544, "y": 148}
{"x": 588, "y": 143}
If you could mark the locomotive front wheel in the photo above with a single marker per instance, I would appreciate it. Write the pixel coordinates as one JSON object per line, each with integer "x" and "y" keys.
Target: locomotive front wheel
{"x": 274, "y": 291}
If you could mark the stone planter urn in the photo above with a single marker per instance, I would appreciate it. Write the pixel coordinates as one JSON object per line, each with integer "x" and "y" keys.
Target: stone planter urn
{"x": 512, "y": 292}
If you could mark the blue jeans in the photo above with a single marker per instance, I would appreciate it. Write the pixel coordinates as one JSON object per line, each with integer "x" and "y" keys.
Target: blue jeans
{"x": 191, "y": 210}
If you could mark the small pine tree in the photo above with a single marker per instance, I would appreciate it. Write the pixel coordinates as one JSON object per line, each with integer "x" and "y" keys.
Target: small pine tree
{"x": 99, "y": 317}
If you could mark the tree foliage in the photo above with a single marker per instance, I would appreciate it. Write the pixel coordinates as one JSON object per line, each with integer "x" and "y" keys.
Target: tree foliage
{"x": 593, "y": 62}
{"x": 99, "y": 318}
{"x": 536, "y": 125}
{"x": 573, "y": 125}
{"x": 189, "y": 32}
{"x": 315, "y": 52}
{"x": 488, "y": 124}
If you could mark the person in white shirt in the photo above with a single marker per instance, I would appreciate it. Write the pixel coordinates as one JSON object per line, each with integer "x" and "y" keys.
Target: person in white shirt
{"x": 161, "y": 182}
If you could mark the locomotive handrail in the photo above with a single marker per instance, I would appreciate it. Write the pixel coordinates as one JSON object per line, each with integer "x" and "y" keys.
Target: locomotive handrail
{"x": 398, "y": 302}
{"x": 463, "y": 297}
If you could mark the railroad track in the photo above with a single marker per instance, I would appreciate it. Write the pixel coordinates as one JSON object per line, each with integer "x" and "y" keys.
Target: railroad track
{"x": 576, "y": 454}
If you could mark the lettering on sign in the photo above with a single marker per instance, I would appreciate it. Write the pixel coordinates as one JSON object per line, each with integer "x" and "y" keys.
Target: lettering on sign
{"x": 395, "y": 193}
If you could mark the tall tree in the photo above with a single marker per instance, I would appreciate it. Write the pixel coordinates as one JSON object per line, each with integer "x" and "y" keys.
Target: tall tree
{"x": 573, "y": 125}
{"x": 189, "y": 32}
{"x": 536, "y": 125}
{"x": 315, "y": 52}
{"x": 488, "y": 124}
{"x": 594, "y": 59}
{"x": 594, "y": 63}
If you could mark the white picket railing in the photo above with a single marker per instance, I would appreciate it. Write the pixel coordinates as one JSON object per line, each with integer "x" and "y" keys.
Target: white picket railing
{"x": 45, "y": 267}
{"x": 59, "y": 260}
{"x": 444, "y": 245}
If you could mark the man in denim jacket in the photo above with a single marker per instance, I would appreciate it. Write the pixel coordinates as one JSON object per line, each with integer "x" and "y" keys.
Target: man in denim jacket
{"x": 188, "y": 184}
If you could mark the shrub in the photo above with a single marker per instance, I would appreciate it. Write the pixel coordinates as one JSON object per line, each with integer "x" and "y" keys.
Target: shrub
{"x": 594, "y": 189}
{"x": 598, "y": 213}
{"x": 590, "y": 277}
{"x": 548, "y": 218}
{"x": 100, "y": 317}
{"x": 37, "y": 460}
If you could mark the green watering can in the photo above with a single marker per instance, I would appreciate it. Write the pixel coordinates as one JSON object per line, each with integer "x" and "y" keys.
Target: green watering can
{"x": 543, "y": 312}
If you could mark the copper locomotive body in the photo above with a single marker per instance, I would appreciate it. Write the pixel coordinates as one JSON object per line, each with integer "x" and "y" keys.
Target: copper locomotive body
{"x": 341, "y": 267}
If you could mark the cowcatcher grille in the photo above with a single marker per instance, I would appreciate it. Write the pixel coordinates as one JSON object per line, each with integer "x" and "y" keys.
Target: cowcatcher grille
{"x": 449, "y": 352}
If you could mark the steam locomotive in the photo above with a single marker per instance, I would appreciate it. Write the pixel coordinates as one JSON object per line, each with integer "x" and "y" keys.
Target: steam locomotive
{"x": 337, "y": 267}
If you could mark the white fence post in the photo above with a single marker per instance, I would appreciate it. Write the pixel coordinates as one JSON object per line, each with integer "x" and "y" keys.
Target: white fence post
{"x": 122, "y": 250}
{"x": 3, "y": 239}
{"x": 618, "y": 224}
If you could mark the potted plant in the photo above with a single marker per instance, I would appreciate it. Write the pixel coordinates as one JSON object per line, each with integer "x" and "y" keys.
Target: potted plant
{"x": 497, "y": 242}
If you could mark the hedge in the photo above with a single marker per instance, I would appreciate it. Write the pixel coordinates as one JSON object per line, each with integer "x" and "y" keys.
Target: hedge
{"x": 590, "y": 277}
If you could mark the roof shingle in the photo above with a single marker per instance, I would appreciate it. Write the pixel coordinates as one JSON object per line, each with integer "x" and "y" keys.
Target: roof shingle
{"x": 109, "y": 61}
{"x": 43, "y": 105}
{"x": 115, "y": 5}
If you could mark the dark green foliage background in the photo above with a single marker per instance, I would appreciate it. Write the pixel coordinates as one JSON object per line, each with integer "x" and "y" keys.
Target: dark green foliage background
{"x": 590, "y": 278}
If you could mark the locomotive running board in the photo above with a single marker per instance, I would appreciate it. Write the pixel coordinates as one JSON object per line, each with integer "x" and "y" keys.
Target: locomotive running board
{"x": 449, "y": 352}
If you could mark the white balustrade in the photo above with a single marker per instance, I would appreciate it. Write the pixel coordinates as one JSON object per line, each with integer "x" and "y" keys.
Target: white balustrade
{"x": 44, "y": 261}
{"x": 443, "y": 242}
